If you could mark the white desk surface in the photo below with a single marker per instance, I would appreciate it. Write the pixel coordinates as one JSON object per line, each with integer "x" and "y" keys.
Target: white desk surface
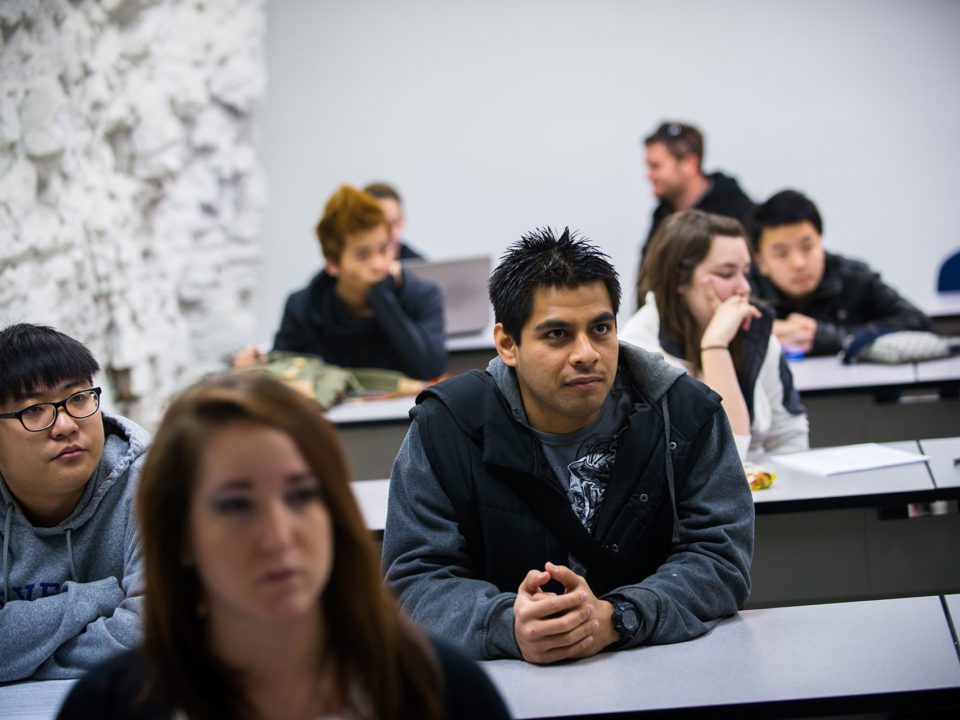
{"x": 372, "y": 498}
{"x": 811, "y": 652}
{"x": 940, "y": 304}
{"x": 367, "y": 411}
{"x": 939, "y": 370}
{"x": 828, "y": 373}
{"x": 33, "y": 700}
{"x": 953, "y": 607}
{"x": 943, "y": 453}
{"x": 795, "y": 485}
{"x": 780, "y": 654}
{"x": 482, "y": 340}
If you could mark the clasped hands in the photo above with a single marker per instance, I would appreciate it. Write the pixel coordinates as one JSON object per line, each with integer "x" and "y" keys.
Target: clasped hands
{"x": 550, "y": 627}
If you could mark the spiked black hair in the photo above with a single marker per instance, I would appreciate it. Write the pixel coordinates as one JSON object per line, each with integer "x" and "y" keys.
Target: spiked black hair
{"x": 36, "y": 356}
{"x": 541, "y": 258}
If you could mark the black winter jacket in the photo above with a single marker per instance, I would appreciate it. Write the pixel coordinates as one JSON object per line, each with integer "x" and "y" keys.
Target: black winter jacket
{"x": 851, "y": 297}
{"x": 474, "y": 506}
{"x": 725, "y": 197}
{"x": 405, "y": 332}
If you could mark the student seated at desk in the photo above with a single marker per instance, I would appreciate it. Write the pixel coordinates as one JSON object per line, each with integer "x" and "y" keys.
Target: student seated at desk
{"x": 70, "y": 562}
{"x": 264, "y": 597}
{"x": 698, "y": 315}
{"x": 392, "y": 205}
{"x": 820, "y": 298}
{"x": 580, "y": 494}
{"x": 362, "y": 309}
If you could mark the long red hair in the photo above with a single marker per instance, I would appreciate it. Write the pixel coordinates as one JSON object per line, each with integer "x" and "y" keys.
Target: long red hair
{"x": 380, "y": 658}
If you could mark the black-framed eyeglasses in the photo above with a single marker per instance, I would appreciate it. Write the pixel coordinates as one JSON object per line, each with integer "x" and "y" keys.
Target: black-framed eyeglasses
{"x": 42, "y": 416}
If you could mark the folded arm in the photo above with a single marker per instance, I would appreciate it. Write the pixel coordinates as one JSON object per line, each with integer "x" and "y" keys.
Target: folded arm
{"x": 707, "y": 575}
{"x": 427, "y": 564}
{"x": 881, "y": 307}
{"x": 64, "y": 635}
{"x": 415, "y": 332}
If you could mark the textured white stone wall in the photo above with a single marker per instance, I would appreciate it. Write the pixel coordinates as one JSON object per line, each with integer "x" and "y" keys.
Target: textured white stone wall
{"x": 131, "y": 191}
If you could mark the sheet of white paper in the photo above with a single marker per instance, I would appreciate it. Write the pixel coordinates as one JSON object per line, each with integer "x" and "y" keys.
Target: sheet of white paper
{"x": 33, "y": 700}
{"x": 849, "y": 458}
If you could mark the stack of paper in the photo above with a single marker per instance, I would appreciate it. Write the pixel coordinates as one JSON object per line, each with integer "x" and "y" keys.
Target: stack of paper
{"x": 849, "y": 458}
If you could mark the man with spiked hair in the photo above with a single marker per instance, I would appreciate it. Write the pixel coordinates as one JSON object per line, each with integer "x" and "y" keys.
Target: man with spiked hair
{"x": 579, "y": 494}
{"x": 70, "y": 555}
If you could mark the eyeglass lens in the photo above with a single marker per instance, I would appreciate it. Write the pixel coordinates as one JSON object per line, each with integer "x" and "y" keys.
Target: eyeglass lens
{"x": 78, "y": 406}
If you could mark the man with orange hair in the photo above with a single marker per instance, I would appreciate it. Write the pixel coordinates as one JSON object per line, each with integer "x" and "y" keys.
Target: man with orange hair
{"x": 362, "y": 309}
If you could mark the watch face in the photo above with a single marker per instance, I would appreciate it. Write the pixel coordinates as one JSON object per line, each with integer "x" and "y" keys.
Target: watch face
{"x": 630, "y": 621}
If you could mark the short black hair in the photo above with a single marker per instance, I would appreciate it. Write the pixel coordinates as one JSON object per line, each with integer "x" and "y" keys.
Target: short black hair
{"x": 541, "y": 258}
{"x": 784, "y": 208}
{"x": 36, "y": 356}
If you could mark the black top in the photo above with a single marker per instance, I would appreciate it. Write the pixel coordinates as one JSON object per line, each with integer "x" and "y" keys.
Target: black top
{"x": 110, "y": 690}
{"x": 753, "y": 353}
{"x": 850, "y": 298}
{"x": 405, "y": 332}
{"x": 407, "y": 252}
{"x": 723, "y": 197}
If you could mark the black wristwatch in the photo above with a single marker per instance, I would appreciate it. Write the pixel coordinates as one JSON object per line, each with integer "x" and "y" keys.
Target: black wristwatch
{"x": 626, "y": 619}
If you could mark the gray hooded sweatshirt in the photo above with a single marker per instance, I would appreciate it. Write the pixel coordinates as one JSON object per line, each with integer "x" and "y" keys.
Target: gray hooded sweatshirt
{"x": 706, "y": 576}
{"x": 71, "y": 594}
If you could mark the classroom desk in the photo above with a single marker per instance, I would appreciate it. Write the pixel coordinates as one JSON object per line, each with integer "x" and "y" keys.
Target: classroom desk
{"x": 876, "y": 403}
{"x": 372, "y": 498}
{"x": 371, "y": 411}
{"x": 828, "y": 374}
{"x": 941, "y": 304}
{"x": 942, "y": 371}
{"x": 944, "y": 454}
{"x": 953, "y": 611}
{"x": 38, "y": 700}
{"x": 793, "y": 490}
{"x": 839, "y": 399}
{"x": 482, "y": 340}
{"x": 811, "y": 660}
{"x": 823, "y": 539}
{"x": 943, "y": 309}
{"x": 796, "y": 491}
{"x": 870, "y": 656}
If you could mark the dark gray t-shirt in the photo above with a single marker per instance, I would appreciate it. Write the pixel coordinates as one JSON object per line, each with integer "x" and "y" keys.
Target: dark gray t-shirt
{"x": 583, "y": 460}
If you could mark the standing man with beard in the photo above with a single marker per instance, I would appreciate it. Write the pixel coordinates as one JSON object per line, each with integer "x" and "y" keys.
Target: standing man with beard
{"x": 674, "y": 157}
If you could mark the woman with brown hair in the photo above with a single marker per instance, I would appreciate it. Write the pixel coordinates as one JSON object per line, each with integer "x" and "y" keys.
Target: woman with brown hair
{"x": 263, "y": 594}
{"x": 698, "y": 314}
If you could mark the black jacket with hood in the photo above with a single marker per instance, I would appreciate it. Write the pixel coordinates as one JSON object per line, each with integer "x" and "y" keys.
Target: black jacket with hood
{"x": 474, "y": 506}
{"x": 405, "y": 332}
{"x": 850, "y": 298}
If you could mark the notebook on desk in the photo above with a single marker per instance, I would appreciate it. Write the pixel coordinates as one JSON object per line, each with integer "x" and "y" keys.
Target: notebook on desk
{"x": 466, "y": 305}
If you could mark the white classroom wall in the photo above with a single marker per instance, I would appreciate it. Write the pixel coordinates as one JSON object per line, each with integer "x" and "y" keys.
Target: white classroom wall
{"x": 498, "y": 116}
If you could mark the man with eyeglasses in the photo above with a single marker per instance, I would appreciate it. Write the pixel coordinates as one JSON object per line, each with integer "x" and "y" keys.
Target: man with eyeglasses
{"x": 70, "y": 553}
{"x": 674, "y": 157}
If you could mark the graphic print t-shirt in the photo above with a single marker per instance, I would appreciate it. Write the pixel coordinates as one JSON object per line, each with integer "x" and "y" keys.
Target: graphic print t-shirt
{"x": 583, "y": 460}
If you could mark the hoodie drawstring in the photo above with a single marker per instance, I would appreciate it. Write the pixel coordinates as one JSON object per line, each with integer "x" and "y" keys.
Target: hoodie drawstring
{"x": 73, "y": 568}
{"x": 6, "y": 550}
{"x": 668, "y": 454}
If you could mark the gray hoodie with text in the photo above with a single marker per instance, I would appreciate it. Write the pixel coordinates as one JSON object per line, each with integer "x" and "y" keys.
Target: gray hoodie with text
{"x": 70, "y": 595}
